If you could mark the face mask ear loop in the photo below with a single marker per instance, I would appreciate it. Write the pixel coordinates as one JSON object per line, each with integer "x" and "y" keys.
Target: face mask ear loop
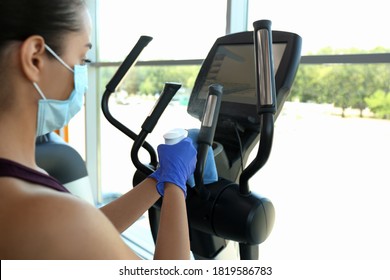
{"x": 58, "y": 58}
{"x": 39, "y": 91}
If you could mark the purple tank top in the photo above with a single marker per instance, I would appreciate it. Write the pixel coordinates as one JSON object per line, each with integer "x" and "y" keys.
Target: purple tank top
{"x": 13, "y": 169}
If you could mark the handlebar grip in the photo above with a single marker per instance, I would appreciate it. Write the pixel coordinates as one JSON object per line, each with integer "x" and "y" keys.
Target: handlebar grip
{"x": 166, "y": 96}
{"x": 206, "y": 134}
{"x": 150, "y": 122}
{"x": 143, "y": 41}
{"x": 210, "y": 116}
{"x": 266, "y": 92}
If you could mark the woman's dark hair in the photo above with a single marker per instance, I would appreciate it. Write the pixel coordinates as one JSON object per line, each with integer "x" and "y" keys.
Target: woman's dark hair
{"x": 51, "y": 19}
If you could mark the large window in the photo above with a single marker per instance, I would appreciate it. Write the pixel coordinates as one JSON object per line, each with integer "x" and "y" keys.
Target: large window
{"x": 180, "y": 30}
{"x": 327, "y": 172}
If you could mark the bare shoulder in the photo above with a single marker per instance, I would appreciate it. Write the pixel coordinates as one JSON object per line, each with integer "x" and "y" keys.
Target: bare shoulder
{"x": 45, "y": 224}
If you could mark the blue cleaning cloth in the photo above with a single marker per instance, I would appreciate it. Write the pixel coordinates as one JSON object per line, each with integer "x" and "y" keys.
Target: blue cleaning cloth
{"x": 210, "y": 174}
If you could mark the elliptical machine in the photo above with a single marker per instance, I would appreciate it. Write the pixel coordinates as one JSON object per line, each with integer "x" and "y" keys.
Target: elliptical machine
{"x": 239, "y": 92}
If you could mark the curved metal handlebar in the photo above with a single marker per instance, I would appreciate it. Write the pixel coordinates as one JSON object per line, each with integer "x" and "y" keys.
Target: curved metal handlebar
{"x": 112, "y": 86}
{"x": 266, "y": 99}
{"x": 150, "y": 122}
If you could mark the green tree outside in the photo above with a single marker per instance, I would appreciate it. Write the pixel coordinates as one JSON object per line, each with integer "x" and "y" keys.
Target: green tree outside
{"x": 358, "y": 86}
{"x": 345, "y": 85}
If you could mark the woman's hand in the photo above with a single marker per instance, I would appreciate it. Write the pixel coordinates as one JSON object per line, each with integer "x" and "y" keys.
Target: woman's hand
{"x": 177, "y": 164}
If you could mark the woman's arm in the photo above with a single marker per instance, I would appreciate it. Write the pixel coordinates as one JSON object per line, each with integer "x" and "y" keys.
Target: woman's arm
{"x": 177, "y": 163}
{"x": 173, "y": 241}
{"x": 173, "y": 236}
{"x": 125, "y": 210}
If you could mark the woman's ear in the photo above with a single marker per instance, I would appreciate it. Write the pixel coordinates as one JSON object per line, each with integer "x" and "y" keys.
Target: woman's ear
{"x": 32, "y": 53}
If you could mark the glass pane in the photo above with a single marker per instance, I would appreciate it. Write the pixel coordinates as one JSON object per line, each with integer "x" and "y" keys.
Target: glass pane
{"x": 338, "y": 24}
{"x": 346, "y": 86}
{"x": 181, "y": 29}
{"x": 76, "y": 131}
{"x": 327, "y": 173}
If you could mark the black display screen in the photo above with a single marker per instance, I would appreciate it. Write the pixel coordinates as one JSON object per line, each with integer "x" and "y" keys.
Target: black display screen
{"x": 233, "y": 67}
{"x": 231, "y": 63}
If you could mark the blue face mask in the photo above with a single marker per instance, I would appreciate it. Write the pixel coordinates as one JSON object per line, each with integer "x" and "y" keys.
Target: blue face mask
{"x": 55, "y": 114}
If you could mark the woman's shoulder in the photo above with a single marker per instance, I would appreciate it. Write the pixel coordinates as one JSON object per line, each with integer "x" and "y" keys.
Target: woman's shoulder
{"x": 40, "y": 223}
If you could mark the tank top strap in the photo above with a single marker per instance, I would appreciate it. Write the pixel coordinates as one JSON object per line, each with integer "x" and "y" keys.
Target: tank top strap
{"x": 9, "y": 168}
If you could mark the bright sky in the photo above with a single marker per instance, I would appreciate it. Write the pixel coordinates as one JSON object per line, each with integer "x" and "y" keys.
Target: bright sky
{"x": 180, "y": 29}
{"x": 187, "y": 29}
{"x": 362, "y": 24}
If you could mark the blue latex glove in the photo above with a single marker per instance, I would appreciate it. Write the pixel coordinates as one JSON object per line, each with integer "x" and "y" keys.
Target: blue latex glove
{"x": 177, "y": 164}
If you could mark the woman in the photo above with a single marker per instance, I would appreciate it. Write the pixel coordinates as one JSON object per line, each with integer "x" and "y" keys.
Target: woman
{"x": 43, "y": 48}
